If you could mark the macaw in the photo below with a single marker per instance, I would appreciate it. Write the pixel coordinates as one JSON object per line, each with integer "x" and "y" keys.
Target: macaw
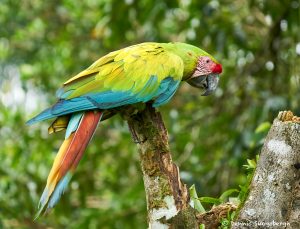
{"x": 146, "y": 72}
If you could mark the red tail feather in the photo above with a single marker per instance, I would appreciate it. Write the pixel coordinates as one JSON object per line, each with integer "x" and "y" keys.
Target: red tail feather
{"x": 80, "y": 140}
{"x": 67, "y": 159}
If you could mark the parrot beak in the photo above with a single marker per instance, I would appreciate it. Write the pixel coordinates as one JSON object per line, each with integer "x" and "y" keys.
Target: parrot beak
{"x": 208, "y": 82}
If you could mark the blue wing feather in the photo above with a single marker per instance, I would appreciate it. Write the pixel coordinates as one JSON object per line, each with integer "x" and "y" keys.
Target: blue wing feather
{"x": 111, "y": 99}
{"x": 166, "y": 91}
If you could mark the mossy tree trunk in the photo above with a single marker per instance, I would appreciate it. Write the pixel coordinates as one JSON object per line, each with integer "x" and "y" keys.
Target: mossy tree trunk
{"x": 274, "y": 194}
{"x": 274, "y": 197}
{"x": 167, "y": 196}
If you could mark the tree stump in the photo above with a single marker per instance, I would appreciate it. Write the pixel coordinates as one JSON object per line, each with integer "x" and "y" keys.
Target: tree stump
{"x": 274, "y": 197}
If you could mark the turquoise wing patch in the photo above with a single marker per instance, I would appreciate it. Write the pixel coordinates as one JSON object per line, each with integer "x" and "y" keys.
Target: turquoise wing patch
{"x": 167, "y": 89}
{"x": 161, "y": 94}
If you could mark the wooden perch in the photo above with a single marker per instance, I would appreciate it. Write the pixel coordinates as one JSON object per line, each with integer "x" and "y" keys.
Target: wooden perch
{"x": 274, "y": 197}
{"x": 167, "y": 196}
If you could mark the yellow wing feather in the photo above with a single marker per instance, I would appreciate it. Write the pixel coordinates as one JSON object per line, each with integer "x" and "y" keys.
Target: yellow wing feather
{"x": 128, "y": 69}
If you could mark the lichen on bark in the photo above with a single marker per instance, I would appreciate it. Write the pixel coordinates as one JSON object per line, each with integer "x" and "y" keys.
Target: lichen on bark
{"x": 274, "y": 197}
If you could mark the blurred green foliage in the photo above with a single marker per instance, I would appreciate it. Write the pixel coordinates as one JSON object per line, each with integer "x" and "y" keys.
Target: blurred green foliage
{"x": 43, "y": 43}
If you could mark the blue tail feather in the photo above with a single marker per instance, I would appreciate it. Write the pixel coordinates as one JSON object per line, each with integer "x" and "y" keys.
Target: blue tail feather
{"x": 59, "y": 190}
{"x": 73, "y": 123}
{"x": 55, "y": 196}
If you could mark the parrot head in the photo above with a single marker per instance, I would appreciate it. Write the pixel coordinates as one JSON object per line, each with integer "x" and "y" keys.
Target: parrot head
{"x": 206, "y": 74}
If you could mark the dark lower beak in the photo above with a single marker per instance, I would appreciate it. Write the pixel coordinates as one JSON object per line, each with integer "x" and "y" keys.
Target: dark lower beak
{"x": 209, "y": 83}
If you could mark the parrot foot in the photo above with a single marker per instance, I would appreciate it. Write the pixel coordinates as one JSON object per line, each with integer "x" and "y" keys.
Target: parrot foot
{"x": 135, "y": 136}
{"x": 140, "y": 142}
{"x": 288, "y": 116}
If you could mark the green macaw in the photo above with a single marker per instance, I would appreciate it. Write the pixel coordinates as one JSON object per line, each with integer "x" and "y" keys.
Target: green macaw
{"x": 146, "y": 72}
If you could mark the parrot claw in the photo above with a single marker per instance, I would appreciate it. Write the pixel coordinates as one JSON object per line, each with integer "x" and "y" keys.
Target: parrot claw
{"x": 140, "y": 141}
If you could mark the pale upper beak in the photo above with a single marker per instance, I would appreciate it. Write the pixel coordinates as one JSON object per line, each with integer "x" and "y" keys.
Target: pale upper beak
{"x": 207, "y": 82}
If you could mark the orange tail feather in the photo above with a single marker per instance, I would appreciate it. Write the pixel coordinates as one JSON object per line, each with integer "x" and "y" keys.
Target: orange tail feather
{"x": 67, "y": 159}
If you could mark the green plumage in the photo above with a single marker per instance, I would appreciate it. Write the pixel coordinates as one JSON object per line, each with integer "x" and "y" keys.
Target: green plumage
{"x": 139, "y": 73}
{"x": 131, "y": 68}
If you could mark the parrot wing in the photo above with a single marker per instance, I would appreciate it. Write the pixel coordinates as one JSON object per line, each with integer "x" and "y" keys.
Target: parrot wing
{"x": 139, "y": 73}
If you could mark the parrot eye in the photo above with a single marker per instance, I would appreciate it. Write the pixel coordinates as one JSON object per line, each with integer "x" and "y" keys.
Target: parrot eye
{"x": 207, "y": 61}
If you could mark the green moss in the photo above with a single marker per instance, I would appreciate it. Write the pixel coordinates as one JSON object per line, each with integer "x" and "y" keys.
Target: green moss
{"x": 156, "y": 199}
{"x": 185, "y": 219}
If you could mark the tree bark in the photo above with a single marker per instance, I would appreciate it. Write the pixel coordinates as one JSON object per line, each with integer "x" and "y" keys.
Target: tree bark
{"x": 274, "y": 193}
{"x": 167, "y": 196}
{"x": 274, "y": 197}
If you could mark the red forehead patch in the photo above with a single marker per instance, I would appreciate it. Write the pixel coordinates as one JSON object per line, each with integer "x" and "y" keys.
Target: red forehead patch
{"x": 217, "y": 69}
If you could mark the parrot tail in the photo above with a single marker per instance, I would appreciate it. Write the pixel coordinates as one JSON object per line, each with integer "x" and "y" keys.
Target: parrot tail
{"x": 80, "y": 130}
